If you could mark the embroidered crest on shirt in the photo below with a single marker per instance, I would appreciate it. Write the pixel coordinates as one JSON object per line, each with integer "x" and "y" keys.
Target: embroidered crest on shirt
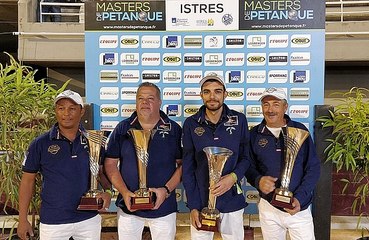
{"x": 164, "y": 129}
{"x": 232, "y": 121}
{"x": 53, "y": 149}
{"x": 263, "y": 142}
{"x": 199, "y": 131}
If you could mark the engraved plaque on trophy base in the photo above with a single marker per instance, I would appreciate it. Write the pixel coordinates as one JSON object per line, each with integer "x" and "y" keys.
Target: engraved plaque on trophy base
{"x": 90, "y": 203}
{"x": 143, "y": 201}
{"x": 210, "y": 220}
{"x": 282, "y": 198}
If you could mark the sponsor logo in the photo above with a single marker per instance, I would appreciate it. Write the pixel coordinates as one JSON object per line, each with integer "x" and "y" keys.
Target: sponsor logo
{"x": 173, "y": 76}
{"x": 171, "y": 42}
{"x": 300, "y": 58}
{"x": 256, "y": 59}
{"x": 109, "y": 93}
{"x": 190, "y": 110}
{"x": 191, "y": 94}
{"x": 254, "y": 93}
{"x": 108, "y": 125}
{"x": 278, "y": 59}
{"x": 108, "y": 59}
{"x": 192, "y": 59}
{"x": 256, "y": 41}
{"x": 252, "y": 196}
{"x": 213, "y": 41}
{"x": 234, "y": 76}
{"x": 213, "y": 59}
{"x": 254, "y": 111}
{"x": 108, "y": 41}
{"x": 129, "y": 59}
{"x": 108, "y": 76}
{"x": 171, "y": 59}
{"x": 201, "y": 8}
{"x": 192, "y": 42}
{"x": 235, "y": 41}
{"x": 129, "y": 76}
{"x": 109, "y": 110}
{"x": 173, "y": 110}
{"x": 172, "y": 93}
{"x": 300, "y": 40}
{"x": 127, "y": 110}
{"x": 150, "y": 41}
{"x": 235, "y": 94}
{"x": 151, "y": 76}
{"x": 131, "y": 41}
{"x": 150, "y": 59}
{"x": 128, "y": 93}
{"x": 227, "y": 19}
{"x": 256, "y": 76}
{"x": 299, "y": 111}
{"x": 192, "y": 76}
{"x": 278, "y": 41}
{"x": 278, "y": 76}
{"x": 299, "y": 76}
{"x": 235, "y": 59}
{"x": 299, "y": 94}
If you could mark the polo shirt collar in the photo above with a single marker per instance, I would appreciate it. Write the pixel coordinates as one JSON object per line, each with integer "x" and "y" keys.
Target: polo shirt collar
{"x": 56, "y": 135}
{"x": 163, "y": 121}
{"x": 226, "y": 113}
{"x": 263, "y": 129}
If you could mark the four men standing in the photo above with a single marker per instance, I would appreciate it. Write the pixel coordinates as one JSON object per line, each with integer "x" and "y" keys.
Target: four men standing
{"x": 213, "y": 125}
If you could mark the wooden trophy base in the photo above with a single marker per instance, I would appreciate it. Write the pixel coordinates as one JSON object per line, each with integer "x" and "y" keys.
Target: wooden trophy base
{"x": 209, "y": 224}
{"x": 142, "y": 203}
{"x": 282, "y": 201}
{"x": 90, "y": 203}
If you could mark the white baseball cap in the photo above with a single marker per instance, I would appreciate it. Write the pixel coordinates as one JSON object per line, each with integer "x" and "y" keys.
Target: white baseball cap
{"x": 69, "y": 94}
{"x": 212, "y": 76}
{"x": 275, "y": 92}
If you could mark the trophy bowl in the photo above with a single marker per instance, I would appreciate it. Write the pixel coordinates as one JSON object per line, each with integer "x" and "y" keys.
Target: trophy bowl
{"x": 96, "y": 140}
{"x": 293, "y": 139}
{"x": 210, "y": 216}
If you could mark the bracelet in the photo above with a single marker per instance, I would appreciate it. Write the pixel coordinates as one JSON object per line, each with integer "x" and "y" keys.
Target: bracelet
{"x": 167, "y": 189}
{"x": 111, "y": 192}
{"x": 234, "y": 176}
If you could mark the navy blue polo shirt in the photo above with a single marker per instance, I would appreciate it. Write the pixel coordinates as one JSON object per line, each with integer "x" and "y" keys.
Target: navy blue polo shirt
{"x": 164, "y": 148}
{"x": 231, "y": 132}
{"x": 267, "y": 159}
{"x": 65, "y": 171}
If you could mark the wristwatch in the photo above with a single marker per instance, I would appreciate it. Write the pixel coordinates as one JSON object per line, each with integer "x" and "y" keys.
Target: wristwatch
{"x": 167, "y": 189}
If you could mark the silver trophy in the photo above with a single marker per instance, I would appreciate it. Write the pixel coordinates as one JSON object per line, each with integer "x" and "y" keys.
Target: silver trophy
{"x": 96, "y": 141}
{"x": 293, "y": 140}
{"x": 217, "y": 157}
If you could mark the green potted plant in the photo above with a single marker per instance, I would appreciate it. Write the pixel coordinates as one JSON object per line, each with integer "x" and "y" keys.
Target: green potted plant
{"x": 348, "y": 147}
{"x": 26, "y": 110}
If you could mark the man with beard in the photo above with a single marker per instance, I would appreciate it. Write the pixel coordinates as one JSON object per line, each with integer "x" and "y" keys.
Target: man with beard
{"x": 215, "y": 125}
{"x": 267, "y": 161}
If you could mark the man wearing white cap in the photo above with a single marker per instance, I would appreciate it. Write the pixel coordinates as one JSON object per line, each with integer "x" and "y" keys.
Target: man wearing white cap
{"x": 267, "y": 149}
{"x": 215, "y": 125}
{"x": 61, "y": 157}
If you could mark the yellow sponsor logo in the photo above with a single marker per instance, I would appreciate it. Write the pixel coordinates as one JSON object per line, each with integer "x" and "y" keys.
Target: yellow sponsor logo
{"x": 191, "y": 110}
{"x": 256, "y": 59}
{"x": 235, "y": 94}
{"x": 129, "y": 41}
{"x": 172, "y": 59}
{"x": 109, "y": 110}
{"x": 300, "y": 40}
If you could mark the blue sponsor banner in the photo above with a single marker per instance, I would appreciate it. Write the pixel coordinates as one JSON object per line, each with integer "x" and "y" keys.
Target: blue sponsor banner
{"x": 250, "y": 61}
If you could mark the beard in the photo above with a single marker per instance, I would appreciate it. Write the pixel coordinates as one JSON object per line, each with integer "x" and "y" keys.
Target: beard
{"x": 213, "y": 106}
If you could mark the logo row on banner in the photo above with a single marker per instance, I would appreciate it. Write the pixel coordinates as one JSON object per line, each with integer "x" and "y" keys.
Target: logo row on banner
{"x": 194, "y": 76}
{"x": 193, "y": 93}
{"x": 207, "y": 42}
{"x": 207, "y": 59}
